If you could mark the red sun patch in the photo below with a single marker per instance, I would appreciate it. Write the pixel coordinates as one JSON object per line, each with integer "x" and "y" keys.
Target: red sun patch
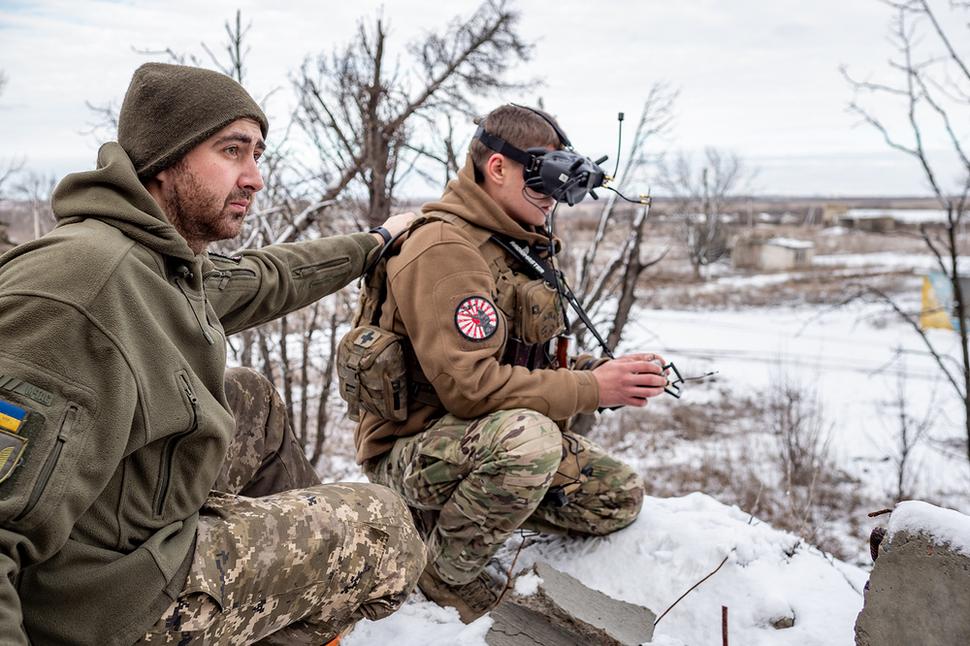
{"x": 476, "y": 318}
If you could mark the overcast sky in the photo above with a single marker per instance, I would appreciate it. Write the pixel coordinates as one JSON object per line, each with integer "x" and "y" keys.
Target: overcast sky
{"x": 759, "y": 78}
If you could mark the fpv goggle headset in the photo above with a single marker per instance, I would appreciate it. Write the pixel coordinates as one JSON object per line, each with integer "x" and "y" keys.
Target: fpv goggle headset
{"x": 563, "y": 174}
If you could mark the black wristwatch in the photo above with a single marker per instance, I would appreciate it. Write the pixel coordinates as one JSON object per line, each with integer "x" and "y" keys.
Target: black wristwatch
{"x": 382, "y": 232}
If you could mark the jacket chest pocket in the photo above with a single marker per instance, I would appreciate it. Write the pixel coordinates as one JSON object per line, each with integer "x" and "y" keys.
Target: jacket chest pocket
{"x": 170, "y": 444}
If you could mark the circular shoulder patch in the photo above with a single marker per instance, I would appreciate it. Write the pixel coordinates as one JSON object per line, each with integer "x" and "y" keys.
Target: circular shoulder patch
{"x": 476, "y": 318}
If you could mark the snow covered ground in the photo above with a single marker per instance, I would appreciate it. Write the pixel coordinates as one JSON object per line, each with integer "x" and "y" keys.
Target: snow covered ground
{"x": 856, "y": 358}
{"x": 768, "y": 575}
{"x": 918, "y": 263}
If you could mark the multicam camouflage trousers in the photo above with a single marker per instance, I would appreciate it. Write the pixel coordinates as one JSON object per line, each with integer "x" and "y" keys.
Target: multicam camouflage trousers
{"x": 280, "y": 558}
{"x": 472, "y": 483}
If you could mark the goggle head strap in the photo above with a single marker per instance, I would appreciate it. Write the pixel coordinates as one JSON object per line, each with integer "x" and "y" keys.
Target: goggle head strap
{"x": 502, "y": 147}
{"x": 563, "y": 139}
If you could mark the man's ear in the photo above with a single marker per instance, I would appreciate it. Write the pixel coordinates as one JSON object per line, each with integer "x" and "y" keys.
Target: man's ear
{"x": 162, "y": 177}
{"x": 496, "y": 168}
{"x": 155, "y": 186}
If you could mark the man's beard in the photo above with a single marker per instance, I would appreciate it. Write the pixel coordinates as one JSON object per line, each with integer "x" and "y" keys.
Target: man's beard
{"x": 197, "y": 213}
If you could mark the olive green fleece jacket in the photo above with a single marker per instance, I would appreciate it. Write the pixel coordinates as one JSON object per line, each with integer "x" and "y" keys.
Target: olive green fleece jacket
{"x": 113, "y": 341}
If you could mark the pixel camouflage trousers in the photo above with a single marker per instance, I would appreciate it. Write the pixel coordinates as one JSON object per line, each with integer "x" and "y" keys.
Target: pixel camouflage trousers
{"x": 280, "y": 558}
{"x": 472, "y": 483}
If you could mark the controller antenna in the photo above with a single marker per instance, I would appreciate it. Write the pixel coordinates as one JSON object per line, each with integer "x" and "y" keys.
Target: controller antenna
{"x": 619, "y": 140}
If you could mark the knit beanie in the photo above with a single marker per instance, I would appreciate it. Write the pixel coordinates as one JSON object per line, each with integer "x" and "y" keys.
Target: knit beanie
{"x": 169, "y": 109}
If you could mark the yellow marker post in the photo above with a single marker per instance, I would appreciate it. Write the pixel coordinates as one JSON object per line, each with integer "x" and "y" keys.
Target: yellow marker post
{"x": 932, "y": 313}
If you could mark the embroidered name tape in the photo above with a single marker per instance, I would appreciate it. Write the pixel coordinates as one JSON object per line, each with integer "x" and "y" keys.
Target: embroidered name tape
{"x": 26, "y": 389}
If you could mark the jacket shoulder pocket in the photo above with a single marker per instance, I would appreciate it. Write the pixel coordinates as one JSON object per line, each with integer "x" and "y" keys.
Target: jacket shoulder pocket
{"x": 35, "y": 460}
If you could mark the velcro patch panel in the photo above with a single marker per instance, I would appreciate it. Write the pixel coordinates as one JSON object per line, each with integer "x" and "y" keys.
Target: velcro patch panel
{"x": 11, "y": 416}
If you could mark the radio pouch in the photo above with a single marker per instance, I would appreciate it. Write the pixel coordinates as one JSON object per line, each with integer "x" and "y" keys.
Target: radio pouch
{"x": 538, "y": 313}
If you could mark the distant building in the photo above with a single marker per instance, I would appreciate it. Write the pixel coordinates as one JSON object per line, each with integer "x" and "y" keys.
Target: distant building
{"x": 772, "y": 254}
{"x": 867, "y": 223}
{"x": 885, "y": 220}
{"x": 831, "y": 213}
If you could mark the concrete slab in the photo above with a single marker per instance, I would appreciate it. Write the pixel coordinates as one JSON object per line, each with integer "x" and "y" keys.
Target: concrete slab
{"x": 918, "y": 593}
{"x": 564, "y": 611}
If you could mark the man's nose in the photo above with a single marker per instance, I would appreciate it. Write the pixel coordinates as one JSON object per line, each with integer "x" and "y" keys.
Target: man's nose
{"x": 251, "y": 179}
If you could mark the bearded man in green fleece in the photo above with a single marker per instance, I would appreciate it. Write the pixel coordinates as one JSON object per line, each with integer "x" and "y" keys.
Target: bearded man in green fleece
{"x": 146, "y": 494}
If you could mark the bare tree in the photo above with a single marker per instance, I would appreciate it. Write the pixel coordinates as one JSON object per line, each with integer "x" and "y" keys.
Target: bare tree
{"x": 104, "y": 124}
{"x": 596, "y": 279}
{"x": 234, "y": 46}
{"x": 930, "y": 85}
{"x": 35, "y": 191}
{"x": 444, "y": 150}
{"x": 701, "y": 192}
{"x": 802, "y": 439}
{"x": 235, "y": 50}
{"x": 8, "y": 168}
{"x": 909, "y": 433}
{"x": 361, "y": 106}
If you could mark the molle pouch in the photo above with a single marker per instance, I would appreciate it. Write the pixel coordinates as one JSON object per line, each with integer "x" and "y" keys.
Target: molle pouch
{"x": 372, "y": 373}
{"x": 505, "y": 285}
{"x": 538, "y": 312}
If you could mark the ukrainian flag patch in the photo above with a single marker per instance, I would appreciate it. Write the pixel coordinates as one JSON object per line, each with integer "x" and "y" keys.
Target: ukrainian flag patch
{"x": 11, "y": 417}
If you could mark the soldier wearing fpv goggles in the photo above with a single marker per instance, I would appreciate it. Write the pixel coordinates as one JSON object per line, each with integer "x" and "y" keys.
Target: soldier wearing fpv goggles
{"x": 479, "y": 443}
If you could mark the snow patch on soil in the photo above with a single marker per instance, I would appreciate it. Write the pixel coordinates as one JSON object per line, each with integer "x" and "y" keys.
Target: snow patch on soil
{"x": 675, "y": 542}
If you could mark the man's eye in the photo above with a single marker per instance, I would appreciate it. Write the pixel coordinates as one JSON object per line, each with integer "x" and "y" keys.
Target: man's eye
{"x": 257, "y": 157}
{"x": 232, "y": 150}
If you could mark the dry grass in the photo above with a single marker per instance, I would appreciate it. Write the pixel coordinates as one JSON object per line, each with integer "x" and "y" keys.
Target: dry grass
{"x": 727, "y": 448}
{"x": 818, "y": 286}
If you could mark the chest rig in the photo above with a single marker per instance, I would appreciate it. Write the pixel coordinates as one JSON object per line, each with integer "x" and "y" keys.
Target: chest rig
{"x": 528, "y": 295}
{"x": 525, "y": 292}
{"x": 377, "y": 369}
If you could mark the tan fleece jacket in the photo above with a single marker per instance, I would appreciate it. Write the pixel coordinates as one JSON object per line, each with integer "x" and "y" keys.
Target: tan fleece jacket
{"x": 440, "y": 266}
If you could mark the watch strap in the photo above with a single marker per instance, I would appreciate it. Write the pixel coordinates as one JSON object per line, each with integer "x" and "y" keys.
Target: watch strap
{"x": 383, "y": 233}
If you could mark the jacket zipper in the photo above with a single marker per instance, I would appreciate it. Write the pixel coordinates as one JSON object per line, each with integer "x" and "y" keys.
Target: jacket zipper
{"x": 67, "y": 425}
{"x": 225, "y": 275}
{"x": 168, "y": 453}
{"x": 178, "y": 282}
{"x": 320, "y": 266}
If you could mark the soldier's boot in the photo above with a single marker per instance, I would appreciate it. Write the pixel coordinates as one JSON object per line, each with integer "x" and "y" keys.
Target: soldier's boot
{"x": 471, "y": 600}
